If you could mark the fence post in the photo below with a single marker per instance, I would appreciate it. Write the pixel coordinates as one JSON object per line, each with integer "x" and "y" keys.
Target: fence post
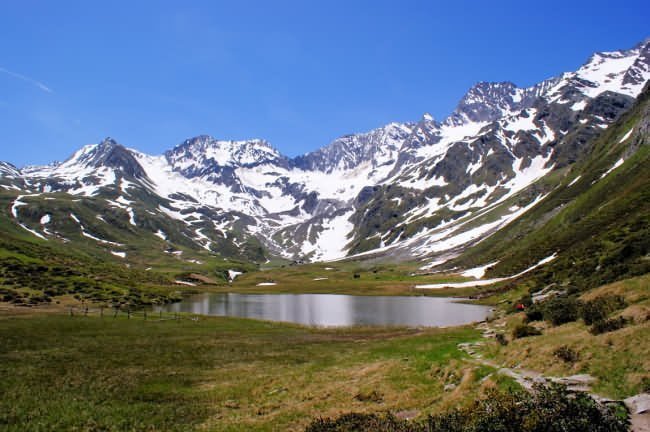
{"x": 70, "y": 310}
{"x": 145, "y": 315}
{"x": 128, "y": 312}
{"x": 115, "y": 313}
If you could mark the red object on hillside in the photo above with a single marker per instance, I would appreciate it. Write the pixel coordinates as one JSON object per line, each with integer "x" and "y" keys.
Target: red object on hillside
{"x": 520, "y": 306}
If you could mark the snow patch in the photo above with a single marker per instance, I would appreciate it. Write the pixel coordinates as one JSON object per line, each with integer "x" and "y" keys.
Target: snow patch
{"x": 18, "y": 203}
{"x": 232, "y": 274}
{"x": 626, "y": 136}
{"x": 487, "y": 281}
{"x": 617, "y": 164}
{"x": 332, "y": 240}
{"x": 131, "y": 216}
{"x": 522, "y": 123}
{"x": 433, "y": 264}
{"x": 97, "y": 239}
{"x": 579, "y": 106}
{"x": 37, "y": 234}
{"x": 574, "y": 181}
{"x": 478, "y": 272}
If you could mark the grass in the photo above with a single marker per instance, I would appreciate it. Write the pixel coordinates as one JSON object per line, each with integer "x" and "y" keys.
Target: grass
{"x": 33, "y": 271}
{"x": 89, "y": 373}
{"x": 619, "y": 360}
{"x": 374, "y": 279}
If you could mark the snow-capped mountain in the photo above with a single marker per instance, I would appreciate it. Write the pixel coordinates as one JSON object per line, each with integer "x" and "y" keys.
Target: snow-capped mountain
{"x": 423, "y": 189}
{"x": 8, "y": 170}
{"x": 379, "y": 148}
{"x": 200, "y": 155}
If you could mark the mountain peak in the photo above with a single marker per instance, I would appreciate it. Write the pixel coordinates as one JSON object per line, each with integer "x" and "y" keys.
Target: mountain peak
{"x": 108, "y": 153}
{"x": 8, "y": 169}
{"x": 108, "y": 142}
{"x": 488, "y": 101}
{"x": 427, "y": 117}
{"x": 377, "y": 147}
{"x": 203, "y": 154}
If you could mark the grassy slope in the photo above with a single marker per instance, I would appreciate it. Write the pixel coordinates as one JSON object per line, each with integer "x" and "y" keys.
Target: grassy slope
{"x": 374, "y": 279}
{"x": 35, "y": 270}
{"x": 217, "y": 374}
{"x": 619, "y": 360}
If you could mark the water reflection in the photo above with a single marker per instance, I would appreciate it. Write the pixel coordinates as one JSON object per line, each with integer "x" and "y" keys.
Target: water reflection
{"x": 334, "y": 309}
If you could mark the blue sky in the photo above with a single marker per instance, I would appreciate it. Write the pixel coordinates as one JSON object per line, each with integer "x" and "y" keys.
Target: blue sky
{"x": 297, "y": 73}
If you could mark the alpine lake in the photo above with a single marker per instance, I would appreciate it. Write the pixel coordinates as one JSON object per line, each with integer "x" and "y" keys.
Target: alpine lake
{"x": 335, "y": 310}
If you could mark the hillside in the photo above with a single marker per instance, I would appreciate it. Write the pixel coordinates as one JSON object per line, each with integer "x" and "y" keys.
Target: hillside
{"x": 594, "y": 221}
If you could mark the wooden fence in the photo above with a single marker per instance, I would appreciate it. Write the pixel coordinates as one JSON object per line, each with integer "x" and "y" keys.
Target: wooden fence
{"x": 129, "y": 313}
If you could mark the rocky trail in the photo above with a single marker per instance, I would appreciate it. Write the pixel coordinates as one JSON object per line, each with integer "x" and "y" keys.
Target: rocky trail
{"x": 638, "y": 405}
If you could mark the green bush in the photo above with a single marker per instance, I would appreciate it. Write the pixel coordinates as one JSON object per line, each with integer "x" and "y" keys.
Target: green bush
{"x": 600, "y": 308}
{"x": 534, "y": 313}
{"x": 608, "y": 325}
{"x": 523, "y": 330}
{"x": 566, "y": 354}
{"x": 548, "y": 409}
{"x": 561, "y": 310}
{"x": 501, "y": 339}
{"x": 526, "y": 300}
{"x": 372, "y": 396}
{"x": 354, "y": 422}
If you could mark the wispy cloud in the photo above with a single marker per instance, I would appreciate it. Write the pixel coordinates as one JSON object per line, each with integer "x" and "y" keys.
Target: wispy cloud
{"x": 32, "y": 81}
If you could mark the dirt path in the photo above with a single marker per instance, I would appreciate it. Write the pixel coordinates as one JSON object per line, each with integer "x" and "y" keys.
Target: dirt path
{"x": 639, "y": 405}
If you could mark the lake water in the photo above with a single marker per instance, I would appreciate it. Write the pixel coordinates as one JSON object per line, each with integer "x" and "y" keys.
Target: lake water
{"x": 334, "y": 309}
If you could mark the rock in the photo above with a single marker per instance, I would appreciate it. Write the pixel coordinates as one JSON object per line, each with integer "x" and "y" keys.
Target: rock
{"x": 407, "y": 414}
{"x": 639, "y": 407}
{"x": 639, "y": 404}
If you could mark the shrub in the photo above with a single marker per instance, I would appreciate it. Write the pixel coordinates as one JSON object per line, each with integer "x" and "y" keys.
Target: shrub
{"x": 566, "y": 354}
{"x": 501, "y": 339}
{"x": 526, "y": 300}
{"x": 549, "y": 409}
{"x": 372, "y": 396}
{"x": 645, "y": 384}
{"x": 523, "y": 330}
{"x": 608, "y": 325}
{"x": 600, "y": 308}
{"x": 561, "y": 310}
{"x": 354, "y": 422}
{"x": 534, "y": 313}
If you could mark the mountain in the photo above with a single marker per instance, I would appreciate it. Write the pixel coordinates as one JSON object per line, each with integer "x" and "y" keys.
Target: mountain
{"x": 426, "y": 189}
{"x": 595, "y": 221}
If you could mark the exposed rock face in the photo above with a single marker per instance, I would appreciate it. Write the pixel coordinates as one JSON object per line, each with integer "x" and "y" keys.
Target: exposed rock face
{"x": 112, "y": 155}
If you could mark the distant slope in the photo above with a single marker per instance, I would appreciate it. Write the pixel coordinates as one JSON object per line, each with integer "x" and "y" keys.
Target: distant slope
{"x": 596, "y": 219}
{"x": 85, "y": 249}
